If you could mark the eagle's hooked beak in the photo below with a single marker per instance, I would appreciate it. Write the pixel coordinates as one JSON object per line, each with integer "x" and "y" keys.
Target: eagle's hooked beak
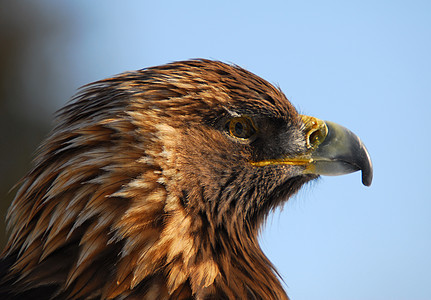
{"x": 332, "y": 150}
{"x": 335, "y": 150}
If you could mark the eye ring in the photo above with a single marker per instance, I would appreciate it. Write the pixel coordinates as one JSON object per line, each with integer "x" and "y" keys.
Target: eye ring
{"x": 241, "y": 128}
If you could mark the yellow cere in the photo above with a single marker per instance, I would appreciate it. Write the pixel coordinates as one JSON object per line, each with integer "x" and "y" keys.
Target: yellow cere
{"x": 316, "y": 131}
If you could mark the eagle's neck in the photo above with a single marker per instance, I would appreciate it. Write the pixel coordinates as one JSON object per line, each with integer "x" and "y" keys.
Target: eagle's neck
{"x": 208, "y": 261}
{"x": 159, "y": 247}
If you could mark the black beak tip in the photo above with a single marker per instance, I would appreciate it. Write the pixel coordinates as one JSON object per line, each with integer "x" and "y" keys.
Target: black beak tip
{"x": 367, "y": 177}
{"x": 367, "y": 167}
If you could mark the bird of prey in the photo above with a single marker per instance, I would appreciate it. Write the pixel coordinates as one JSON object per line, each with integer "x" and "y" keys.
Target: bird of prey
{"x": 154, "y": 184}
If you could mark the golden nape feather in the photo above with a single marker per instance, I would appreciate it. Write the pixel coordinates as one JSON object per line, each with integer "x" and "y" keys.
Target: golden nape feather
{"x": 154, "y": 185}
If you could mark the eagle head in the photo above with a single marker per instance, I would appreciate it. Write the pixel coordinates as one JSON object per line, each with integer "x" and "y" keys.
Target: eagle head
{"x": 154, "y": 185}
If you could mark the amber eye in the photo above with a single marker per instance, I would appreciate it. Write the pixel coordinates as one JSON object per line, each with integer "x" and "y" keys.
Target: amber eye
{"x": 241, "y": 127}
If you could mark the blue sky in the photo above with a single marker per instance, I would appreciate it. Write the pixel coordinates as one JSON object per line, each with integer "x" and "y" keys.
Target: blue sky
{"x": 363, "y": 64}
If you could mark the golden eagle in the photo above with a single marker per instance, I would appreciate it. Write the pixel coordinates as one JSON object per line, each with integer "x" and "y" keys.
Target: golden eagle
{"x": 154, "y": 185}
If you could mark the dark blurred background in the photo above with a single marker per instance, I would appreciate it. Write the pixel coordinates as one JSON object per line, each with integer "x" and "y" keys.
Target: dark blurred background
{"x": 30, "y": 80}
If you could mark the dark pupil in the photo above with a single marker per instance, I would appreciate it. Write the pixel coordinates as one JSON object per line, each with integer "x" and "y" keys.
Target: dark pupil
{"x": 239, "y": 128}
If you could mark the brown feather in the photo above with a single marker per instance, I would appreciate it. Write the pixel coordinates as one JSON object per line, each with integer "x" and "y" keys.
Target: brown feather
{"x": 138, "y": 193}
